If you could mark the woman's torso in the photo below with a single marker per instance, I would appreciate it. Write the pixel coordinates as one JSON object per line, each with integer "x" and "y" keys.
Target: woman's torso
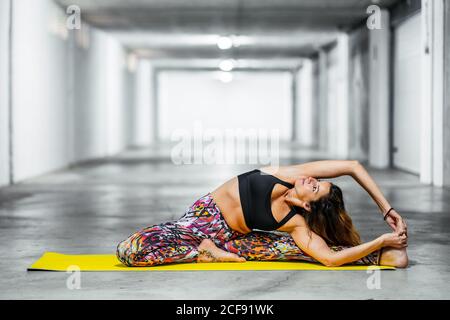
{"x": 228, "y": 200}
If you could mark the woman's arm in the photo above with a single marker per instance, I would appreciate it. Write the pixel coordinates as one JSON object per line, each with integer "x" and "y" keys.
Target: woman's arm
{"x": 317, "y": 169}
{"x": 336, "y": 168}
{"x": 361, "y": 175}
{"x": 313, "y": 245}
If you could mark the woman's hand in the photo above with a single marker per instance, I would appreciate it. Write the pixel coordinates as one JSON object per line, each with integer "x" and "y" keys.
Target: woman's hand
{"x": 394, "y": 240}
{"x": 397, "y": 223}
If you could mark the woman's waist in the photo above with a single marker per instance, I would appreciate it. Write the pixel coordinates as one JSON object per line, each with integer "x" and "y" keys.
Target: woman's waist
{"x": 231, "y": 209}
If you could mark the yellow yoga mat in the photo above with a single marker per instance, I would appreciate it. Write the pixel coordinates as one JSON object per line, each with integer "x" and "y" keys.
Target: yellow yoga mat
{"x": 52, "y": 261}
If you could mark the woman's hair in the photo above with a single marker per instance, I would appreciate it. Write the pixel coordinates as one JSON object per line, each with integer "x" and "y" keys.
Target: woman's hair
{"x": 329, "y": 219}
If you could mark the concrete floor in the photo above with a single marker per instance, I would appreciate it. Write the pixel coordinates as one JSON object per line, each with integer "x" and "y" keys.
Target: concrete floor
{"x": 91, "y": 207}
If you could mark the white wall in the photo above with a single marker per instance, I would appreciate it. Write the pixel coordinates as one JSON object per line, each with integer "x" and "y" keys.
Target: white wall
{"x": 88, "y": 99}
{"x": 101, "y": 100}
{"x": 40, "y": 132}
{"x": 143, "y": 113}
{"x": 253, "y": 100}
{"x": 4, "y": 92}
{"x": 306, "y": 108}
{"x": 72, "y": 92}
{"x": 116, "y": 110}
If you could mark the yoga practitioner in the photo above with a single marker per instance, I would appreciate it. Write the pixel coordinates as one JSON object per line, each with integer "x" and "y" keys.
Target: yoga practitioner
{"x": 273, "y": 213}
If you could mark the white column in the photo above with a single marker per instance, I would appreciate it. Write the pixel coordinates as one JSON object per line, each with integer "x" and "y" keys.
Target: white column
{"x": 438, "y": 92}
{"x": 143, "y": 105}
{"x": 305, "y": 116}
{"x": 437, "y": 54}
{"x": 432, "y": 104}
{"x": 446, "y": 111}
{"x": 426, "y": 108}
{"x": 322, "y": 98}
{"x": 379, "y": 93}
{"x": 342, "y": 93}
{"x": 4, "y": 91}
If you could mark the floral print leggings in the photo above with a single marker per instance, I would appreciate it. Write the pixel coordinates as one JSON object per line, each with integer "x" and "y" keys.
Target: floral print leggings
{"x": 177, "y": 241}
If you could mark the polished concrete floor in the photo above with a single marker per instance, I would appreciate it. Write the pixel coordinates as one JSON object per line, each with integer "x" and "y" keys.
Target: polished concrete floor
{"x": 91, "y": 207}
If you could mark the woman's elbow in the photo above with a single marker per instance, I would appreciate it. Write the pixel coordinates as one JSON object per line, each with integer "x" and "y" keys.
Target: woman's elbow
{"x": 355, "y": 164}
{"x": 331, "y": 262}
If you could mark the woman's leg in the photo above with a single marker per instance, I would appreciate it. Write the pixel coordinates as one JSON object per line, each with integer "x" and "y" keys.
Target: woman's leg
{"x": 209, "y": 252}
{"x": 179, "y": 241}
{"x": 159, "y": 244}
{"x": 270, "y": 246}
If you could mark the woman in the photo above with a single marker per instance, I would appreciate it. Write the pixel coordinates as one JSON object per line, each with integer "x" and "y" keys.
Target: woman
{"x": 307, "y": 218}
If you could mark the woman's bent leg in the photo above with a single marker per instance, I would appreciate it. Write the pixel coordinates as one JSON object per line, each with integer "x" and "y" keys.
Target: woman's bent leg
{"x": 159, "y": 244}
{"x": 177, "y": 241}
{"x": 270, "y": 246}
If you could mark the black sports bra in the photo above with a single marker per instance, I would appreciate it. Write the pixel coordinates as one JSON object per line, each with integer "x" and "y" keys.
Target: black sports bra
{"x": 255, "y": 192}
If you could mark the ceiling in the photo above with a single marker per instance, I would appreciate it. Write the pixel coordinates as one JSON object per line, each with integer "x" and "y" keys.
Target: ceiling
{"x": 265, "y": 29}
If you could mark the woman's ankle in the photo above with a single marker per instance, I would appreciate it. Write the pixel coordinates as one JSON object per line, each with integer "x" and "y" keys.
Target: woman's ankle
{"x": 394, "y": 257}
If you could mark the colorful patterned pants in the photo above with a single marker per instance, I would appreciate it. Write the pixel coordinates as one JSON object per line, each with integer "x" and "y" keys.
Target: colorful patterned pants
{"x": 177, "y": 241}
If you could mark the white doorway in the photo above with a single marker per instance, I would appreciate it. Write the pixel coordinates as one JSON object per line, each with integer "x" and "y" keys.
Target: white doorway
{"x": 251, "y": 100}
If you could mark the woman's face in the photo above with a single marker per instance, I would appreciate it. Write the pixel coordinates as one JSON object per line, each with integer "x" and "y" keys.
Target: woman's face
{"x": 310, "y": 189}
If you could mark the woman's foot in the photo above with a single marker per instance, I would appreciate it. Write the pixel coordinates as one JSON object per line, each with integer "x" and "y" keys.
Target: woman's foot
{"x": 208, "y": 252}
{"x": 394, "y": 257}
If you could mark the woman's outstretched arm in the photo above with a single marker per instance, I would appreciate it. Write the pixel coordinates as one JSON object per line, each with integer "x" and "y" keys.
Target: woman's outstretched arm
{"x": 316, "y": 247}
{"x": 335, "y": 168}
{"x": 317, "y": 169}
{"x": 396, "y": 222}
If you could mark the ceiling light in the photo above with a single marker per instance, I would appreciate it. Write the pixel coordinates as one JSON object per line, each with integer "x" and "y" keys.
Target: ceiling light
{"x": 225, "y": 77}
{"x": 224, "y": 43}
{"x": 226, "y": 65}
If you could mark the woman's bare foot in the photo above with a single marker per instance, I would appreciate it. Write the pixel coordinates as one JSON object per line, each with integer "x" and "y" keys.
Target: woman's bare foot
{"x": 394, "y": 257}
{"x": 208, "y": 252}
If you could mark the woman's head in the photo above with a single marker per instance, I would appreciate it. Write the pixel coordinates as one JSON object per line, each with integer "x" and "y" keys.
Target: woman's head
{"x": 322, "y": 205}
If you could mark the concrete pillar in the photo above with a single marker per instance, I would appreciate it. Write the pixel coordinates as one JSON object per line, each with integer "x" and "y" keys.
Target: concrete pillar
{"x": 379, "y": 93}
{"x": 154, "y": 105}
{"x": 432, "y": 104}
{"x": 434, "y": 12}
{"x": 143, "y": 105}
{"x": 315, "y": 97}
{"x": 323, "y": 101}
{"x": 5, "y": 82}
{"x": 294, "y": 104}
{"x": 446, "y": 111}
{"x": 438, "y": 92}
{"x": 342, "y": 103}
{"x": 305, "y": 120}
{"x": 426, "y": 148}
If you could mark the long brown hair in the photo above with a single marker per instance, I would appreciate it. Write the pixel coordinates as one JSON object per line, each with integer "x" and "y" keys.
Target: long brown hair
{"x": 329, "y": 219}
